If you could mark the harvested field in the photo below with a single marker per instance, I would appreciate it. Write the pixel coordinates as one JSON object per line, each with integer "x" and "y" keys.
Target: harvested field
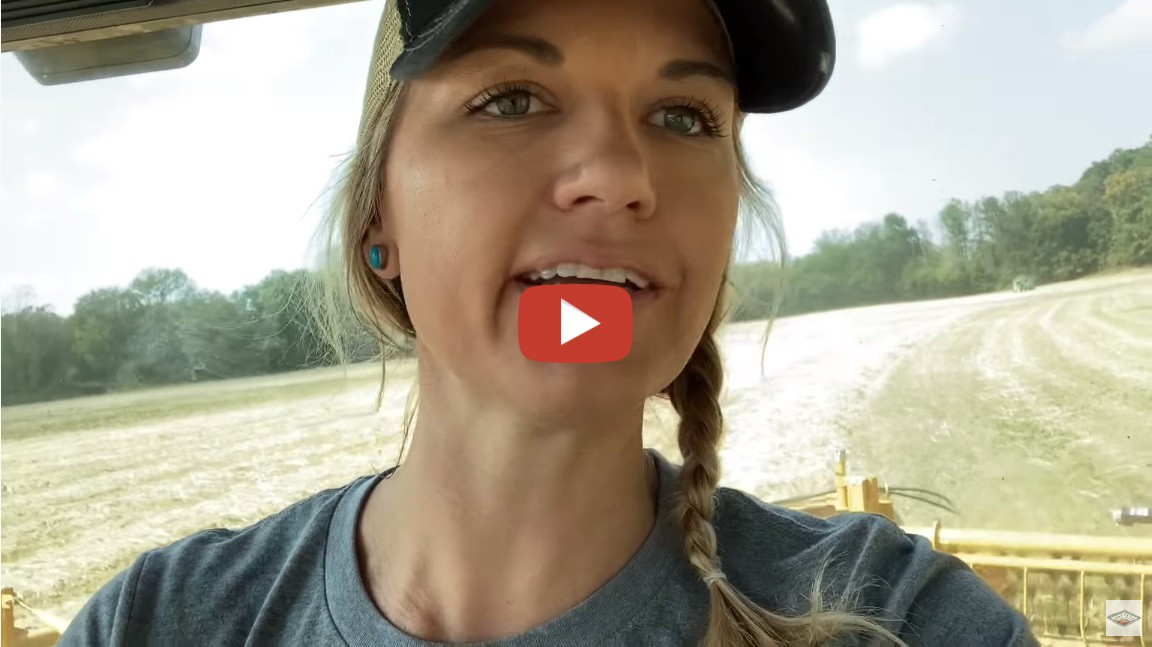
{"x": 1032, "y": 411}
{"x": 1034, "y": 415}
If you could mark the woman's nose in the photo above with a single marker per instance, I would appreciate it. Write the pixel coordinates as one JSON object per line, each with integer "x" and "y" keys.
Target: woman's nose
{"x": 605, "y": 168}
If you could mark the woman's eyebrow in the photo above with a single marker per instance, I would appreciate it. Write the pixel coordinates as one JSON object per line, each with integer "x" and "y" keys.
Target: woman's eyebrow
{"x": 683, "y": 68}
{"x": 550, "y": 54}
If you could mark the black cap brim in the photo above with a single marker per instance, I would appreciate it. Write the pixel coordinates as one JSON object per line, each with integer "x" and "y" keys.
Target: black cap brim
{"x": 784, "y": 49}
{"x": 424, "y": 48}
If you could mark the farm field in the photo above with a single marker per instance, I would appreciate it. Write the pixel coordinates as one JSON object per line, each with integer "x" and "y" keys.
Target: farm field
{"x": 1031, "y": 411}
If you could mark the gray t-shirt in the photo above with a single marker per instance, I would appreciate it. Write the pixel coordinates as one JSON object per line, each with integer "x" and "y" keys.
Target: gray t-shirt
{"x": 292, "y": 579}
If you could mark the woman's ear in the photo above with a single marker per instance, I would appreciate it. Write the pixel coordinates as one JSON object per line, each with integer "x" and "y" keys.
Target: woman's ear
{"x": 380, "y": 251}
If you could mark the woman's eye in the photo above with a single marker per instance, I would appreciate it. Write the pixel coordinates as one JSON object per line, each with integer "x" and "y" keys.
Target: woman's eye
{"x": 509, "y": 104}
{"x": 681, "y": 120}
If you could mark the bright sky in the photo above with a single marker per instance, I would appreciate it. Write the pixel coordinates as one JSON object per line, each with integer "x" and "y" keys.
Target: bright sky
{"x": 217, "y": 168}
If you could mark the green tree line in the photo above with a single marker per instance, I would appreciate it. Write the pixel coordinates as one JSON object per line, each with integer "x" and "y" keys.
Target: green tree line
{"x": 1100, "y": 223}
{"x": 162, "y": 329}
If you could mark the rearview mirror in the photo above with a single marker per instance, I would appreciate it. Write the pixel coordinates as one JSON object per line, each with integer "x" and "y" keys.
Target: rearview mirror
{"x": 169, "y": 49}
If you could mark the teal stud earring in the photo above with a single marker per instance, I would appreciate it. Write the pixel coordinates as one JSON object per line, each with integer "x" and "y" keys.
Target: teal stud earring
{"x": 376, "y": 257}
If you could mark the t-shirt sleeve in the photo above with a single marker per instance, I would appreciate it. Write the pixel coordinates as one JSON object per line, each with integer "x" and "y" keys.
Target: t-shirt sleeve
{"x": 104, "y": 619}
{"x": 949, "y": 604}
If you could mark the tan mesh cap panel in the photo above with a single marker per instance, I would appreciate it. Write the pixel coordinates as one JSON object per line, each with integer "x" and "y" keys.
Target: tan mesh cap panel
{"x": 389, "y": 45}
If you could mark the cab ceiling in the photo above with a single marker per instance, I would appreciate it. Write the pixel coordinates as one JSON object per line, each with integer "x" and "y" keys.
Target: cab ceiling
{"x": 32, "y": 24}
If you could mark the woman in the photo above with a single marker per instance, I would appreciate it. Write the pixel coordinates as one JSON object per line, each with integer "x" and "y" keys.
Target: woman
{"x": 504, "y": 146}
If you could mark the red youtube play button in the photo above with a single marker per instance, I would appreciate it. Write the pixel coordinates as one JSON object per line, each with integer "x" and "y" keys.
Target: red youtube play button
{"x": 575, "y": 323}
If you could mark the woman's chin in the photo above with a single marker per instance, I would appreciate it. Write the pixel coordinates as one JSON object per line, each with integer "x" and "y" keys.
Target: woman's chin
{"x": 577, "y": 390}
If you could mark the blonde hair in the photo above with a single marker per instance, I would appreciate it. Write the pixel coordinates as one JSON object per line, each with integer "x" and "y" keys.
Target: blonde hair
{"x": 353, "y": 292}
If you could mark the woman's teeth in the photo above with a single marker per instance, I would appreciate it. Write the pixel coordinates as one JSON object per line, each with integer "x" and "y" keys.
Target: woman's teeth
{"x": 577, "y": 271}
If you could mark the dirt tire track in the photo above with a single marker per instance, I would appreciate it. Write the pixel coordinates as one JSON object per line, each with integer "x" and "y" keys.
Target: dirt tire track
{"x": 1031, "y": 415}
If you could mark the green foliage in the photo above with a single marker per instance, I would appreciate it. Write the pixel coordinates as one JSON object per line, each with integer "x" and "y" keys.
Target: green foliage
{"x": 1128, "y": 199}
{"x": 38, "y": 356}
{"x": 1102, "y": 222}
{"x": 161, "y": 330}
{"x": 104, "y": 322}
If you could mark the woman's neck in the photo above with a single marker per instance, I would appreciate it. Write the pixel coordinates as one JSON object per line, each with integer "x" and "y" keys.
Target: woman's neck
{"x": 494, "y": 524}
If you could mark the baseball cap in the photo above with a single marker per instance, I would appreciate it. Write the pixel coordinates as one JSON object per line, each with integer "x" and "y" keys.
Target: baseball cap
{"x": 783, "y": 50}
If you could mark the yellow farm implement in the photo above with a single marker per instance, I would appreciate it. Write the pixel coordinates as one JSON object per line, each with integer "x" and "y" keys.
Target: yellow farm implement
{"x": 13, "y": 636}
{"x": 1059, "y": 582}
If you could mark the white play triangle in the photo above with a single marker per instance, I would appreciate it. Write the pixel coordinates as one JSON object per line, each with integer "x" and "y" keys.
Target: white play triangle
{"x": 573, "y": 322}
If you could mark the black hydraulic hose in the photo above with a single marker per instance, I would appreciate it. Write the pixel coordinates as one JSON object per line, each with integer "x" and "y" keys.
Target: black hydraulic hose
{"x": 922, "y": 499}
{"x": 919, "y": 490}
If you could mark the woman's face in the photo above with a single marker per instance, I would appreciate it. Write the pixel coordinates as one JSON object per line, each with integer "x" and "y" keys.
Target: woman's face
{"x": 581, "y": 131}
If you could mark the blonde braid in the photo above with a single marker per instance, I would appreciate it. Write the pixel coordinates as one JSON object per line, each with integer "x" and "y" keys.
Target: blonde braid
{"x": 695, "y": 396}
{"x": 734, "y": 619}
